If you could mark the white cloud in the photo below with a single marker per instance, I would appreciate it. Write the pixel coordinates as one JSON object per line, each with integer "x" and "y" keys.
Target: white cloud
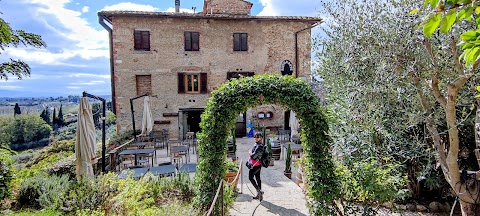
{"x": 79, "y": 75}
{"x": 73, "y": 87}
{"x": 10, "y": 87}
{"x": 129, "y": 6}
{"x": 85, "y": 9}
{"x": 92, "y": 82}
{"x": 289, "y": 7}
{"x": 86, "y": 41}
{"x": 182, "y": 10}
{"x": 268, "y": 8}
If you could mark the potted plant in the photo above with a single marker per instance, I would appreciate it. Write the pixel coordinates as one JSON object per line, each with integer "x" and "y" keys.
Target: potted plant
{"x": 232, "y": 170}
{"x": 288, "y": 163}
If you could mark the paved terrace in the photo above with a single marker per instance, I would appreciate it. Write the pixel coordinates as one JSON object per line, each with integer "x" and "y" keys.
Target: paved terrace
{"x": 282, "y": 196}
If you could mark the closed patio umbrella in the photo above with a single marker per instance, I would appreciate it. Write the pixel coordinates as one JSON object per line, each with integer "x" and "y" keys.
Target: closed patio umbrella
{"x": 85, "y": 140}
{"x": 147, "y": 121}
{"x": 294, "y": 124}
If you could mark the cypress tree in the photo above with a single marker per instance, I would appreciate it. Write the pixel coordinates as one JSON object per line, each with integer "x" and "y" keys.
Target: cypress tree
{"x": 16, "y": 110}
{"x": 54, "y": 118}
{"x": 60, "y": 120}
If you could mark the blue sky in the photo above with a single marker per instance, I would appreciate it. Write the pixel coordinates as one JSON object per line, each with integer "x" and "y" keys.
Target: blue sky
{"x": 77, "y": 58}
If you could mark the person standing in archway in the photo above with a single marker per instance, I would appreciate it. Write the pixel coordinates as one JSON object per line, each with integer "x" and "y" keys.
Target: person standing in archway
{"x": 256, "y": 166}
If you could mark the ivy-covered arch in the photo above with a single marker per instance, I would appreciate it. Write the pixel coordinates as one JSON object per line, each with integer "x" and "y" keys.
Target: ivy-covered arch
{"x": 240, "y": 94}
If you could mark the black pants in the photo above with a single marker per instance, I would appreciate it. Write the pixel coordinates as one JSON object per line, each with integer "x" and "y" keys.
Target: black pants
{"x": 255, "y": 171}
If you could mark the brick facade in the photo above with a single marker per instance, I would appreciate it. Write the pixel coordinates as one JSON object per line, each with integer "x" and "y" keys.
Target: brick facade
{"x": 227, "y": 7}
{"x": 271, "y": 41}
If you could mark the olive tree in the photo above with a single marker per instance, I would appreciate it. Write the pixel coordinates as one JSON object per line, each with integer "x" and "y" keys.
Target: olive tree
{"x": 458, "y": 20}
{"x": 10, "y": 37}
{"x": 386, "y": 80}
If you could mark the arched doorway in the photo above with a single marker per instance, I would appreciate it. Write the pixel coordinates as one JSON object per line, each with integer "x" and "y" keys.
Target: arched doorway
{"x": 235, "y": 97}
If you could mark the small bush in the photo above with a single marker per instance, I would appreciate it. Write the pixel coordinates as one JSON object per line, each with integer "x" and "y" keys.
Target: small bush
{"x": 84, "y": 195}
{"x": 6, "y": 173}
{"x": 370, "y": 181}
{"x": 179, "y": 187}
{"x": 43, "y": 191}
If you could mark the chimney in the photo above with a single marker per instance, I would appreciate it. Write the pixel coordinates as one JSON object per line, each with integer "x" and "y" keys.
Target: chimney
{"x": 177, "y": 6}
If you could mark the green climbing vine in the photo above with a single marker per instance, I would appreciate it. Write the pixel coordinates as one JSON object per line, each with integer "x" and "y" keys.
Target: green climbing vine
{"x": 240, "y": 94}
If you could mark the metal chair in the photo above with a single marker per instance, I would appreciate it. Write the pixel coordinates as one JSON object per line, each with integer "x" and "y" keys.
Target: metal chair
{"x": 127, "y": 161}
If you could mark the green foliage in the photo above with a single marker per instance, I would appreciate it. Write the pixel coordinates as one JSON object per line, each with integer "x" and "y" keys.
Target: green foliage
{"x": 231, "y": 166}
{"x": 6, "y": 173}
{"x": 10, "y": 37}
{"x": 446, "y": 13}
{"x": 239, "y": 94}
{"x": 43, "y": 191}
{"x": 367, "y": 64}
{"x": 23, "y": 128}
{"x": 110, "y": 118}
{"x": 288, "y": 160}
{"x": 370, "y": 181}
{"x": 108, "y": 195}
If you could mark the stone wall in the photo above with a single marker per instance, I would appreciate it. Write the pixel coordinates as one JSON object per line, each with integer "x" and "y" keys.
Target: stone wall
{"x": 269, "y": 44}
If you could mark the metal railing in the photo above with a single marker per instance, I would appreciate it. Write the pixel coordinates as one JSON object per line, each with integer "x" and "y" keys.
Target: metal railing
{"x": 219, "y": 194}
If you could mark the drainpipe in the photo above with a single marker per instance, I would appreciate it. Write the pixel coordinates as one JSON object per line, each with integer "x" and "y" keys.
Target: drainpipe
{"x": 296, "y": 45}
{"x": 102, "y": 20}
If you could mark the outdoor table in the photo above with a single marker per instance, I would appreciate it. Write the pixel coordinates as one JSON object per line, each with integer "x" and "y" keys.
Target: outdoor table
{"x": 163, "y": 170}
{"x": 188, "y": 168}
{"x": 173, "y": 141}
{"x": 137, "y": 152}
{"x": 137, "y": 173}
{"x": 294, "y": 147}
{"x": 182, "y": 148}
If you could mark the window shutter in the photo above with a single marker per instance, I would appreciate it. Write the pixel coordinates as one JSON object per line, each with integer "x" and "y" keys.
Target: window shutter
{"x": 236, "y": 42}
{"x": 188, "y": 41}
{"x": 195, "y": 41}
{"x": 146, "y": 40}
{"x": 203, "y": 83}
{"x": 181, "y": 83}
{"x": 137, "y": 37}
{"x": 244, "y": 42}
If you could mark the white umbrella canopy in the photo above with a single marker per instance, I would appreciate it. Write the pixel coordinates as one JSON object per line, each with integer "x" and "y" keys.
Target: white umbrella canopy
{"x": 85, "y": 140}
{"x": 147, "y": 121}
{"x": 294, "y": 124}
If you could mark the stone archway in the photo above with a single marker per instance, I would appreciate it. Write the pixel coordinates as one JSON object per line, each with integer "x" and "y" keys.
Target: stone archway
{"x": 240, "y": 94}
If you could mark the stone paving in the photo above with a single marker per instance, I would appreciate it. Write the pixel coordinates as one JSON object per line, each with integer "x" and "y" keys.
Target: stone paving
{"x": 282, "y": 196}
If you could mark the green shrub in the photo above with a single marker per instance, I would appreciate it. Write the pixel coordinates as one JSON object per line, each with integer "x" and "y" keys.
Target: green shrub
{"x": 179, "y": 187}
{"x": 24, "y": 128}
{"x": 43, "y": 191}
{"x": 132, "y": 197}
{"x": 370, "y": 181}
{"x": 6, "y": 173}
{"x": 110, "y": 118}
{"x": 84, "y": 195}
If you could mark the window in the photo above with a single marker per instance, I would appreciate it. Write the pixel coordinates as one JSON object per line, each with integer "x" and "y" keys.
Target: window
{"x": 240, "y": 42}
{"x": 232, "y": 75}
{"x": 144, "y": 84}
{"x": 142, "y": 40}
{"x": 192, "y": 41}
{"x": 192, "y": 83}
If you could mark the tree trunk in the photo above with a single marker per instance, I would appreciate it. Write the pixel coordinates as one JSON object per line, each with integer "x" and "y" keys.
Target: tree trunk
{"x": 477, "y": 126}
{"x": 469, "y": 209}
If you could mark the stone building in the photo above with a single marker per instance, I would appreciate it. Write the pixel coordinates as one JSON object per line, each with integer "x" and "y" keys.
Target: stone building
{"x": 180, "y": 58}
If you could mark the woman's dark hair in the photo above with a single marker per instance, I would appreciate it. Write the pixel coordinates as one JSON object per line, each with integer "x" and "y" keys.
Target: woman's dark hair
{"x": 258, "y": 134}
